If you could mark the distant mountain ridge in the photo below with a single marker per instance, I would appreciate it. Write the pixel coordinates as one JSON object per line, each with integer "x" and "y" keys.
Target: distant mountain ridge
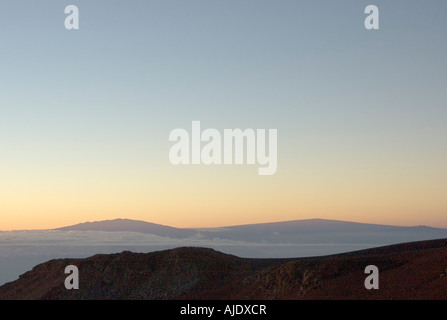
{"x": 308, "y": 231}
{"x": 132, "y": 226}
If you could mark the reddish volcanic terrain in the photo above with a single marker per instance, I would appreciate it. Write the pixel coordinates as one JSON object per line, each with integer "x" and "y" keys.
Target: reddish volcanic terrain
{"x": 416, "y": 270}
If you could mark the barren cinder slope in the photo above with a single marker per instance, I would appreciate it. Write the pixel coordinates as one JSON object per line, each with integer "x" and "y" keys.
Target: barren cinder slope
{"x": 406, "y": 271}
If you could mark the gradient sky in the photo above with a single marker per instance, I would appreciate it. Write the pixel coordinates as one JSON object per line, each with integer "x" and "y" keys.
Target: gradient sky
{"x": 85, "y": 114}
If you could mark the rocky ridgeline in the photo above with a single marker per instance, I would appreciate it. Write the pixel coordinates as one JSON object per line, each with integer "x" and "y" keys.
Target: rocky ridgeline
{"x": 407, "y": 271}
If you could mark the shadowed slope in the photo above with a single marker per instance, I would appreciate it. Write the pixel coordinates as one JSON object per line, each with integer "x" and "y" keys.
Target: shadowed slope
{"x": 407, "y": 271}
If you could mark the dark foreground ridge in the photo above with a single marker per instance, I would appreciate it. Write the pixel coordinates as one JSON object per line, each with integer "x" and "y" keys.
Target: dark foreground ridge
{"x": 414, "y": 270}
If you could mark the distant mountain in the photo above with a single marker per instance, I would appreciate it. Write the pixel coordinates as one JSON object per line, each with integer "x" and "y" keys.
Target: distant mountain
{"x": 407, "y": 271}
{"x": 132, "y": 226}
{"x": 310, "y": 231}
{"x": 321, "y": 231}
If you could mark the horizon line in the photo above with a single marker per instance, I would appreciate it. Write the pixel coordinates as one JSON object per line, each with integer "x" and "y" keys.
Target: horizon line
{"x": 226, "y": 226}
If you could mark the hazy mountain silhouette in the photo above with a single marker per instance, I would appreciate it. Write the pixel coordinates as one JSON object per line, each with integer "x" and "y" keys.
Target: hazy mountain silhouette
{"x": 310, "y": 231}
{"x": 132, "y": 226}
{"x": 415, "y": 270}
{"x": 325, "y": 231}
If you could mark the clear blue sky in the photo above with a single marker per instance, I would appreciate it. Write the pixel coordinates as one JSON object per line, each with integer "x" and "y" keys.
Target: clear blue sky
{"x": 356, "y": 110}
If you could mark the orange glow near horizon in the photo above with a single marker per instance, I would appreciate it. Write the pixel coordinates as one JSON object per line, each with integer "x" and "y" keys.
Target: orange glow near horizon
{"x": 44, "y": 197}
{"x": 211, "y": 198}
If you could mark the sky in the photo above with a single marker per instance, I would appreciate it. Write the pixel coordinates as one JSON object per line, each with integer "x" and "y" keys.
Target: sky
{"x": 85, "y": 115}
